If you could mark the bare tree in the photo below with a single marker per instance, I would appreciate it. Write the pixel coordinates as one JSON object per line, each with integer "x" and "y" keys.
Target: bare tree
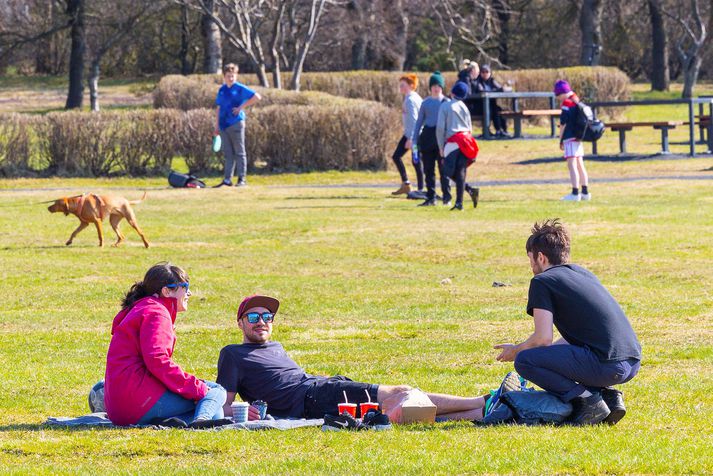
{"x": 470, "y": 21}
{"x": 590, "y": 22}
{"x": 691, "y": 42}
{"x": 303, "y": 44}
{"x": 660, "y": 75}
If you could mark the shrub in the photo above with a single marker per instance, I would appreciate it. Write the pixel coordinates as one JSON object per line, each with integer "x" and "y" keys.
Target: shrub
{"x": 16, "y": 136}
{"x": 592, "y": 83}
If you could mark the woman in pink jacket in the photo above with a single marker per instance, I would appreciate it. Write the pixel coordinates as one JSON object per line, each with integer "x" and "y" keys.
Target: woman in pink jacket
{"x": 143, "y": 385}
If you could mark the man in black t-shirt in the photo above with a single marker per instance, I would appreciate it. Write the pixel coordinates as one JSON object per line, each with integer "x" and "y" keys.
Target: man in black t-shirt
{"x": 259, "y": 369}
{"x": 598, "y": 347}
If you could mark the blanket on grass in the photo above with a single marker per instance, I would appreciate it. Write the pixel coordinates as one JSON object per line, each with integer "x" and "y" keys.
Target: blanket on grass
{"x": 100, "y": 420}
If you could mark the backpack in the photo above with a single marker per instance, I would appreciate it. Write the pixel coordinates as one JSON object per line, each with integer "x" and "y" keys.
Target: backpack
{"x": 587, "y": 127}
{"x": 179, "y": 180}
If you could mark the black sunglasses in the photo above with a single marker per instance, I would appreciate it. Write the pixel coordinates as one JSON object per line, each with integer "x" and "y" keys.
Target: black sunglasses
{"x": 254, "y": 317}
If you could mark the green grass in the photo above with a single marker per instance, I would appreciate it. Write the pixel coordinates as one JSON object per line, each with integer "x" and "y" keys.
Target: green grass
{"x": 359, "y": 274}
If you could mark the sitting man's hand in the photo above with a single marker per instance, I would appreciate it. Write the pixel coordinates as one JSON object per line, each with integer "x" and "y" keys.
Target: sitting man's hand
{"x": 508, "y": 354}
{"x": 253, "y": 413}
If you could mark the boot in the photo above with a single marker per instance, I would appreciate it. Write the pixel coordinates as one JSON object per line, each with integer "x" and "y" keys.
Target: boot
{"x": 404, "y": 189}
{"x": 615, "y": 401}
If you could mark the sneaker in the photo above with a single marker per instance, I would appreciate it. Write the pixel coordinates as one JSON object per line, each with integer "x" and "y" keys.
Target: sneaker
{"x": 375, "y": 420}
{"x": 404, "y": 189}
{"x": 615, "y": 401}
{"x": 224, "y": 183}
{"x": 511, "y": 383}
{"x": 586, "y": 197}
{"x": 173, "y": 422}
{"x": 446, "y": 203}
{"x": 241, "y": 182}
{"x": 589, "y": 410}
{"x": 431, "y": 202}
{"x": 206, "y": 424}
{"x": 474, "y": 193}
{"x": 341, "y": 422}
{"x": 457, "y": 206}
{"x": 570, "y": 197}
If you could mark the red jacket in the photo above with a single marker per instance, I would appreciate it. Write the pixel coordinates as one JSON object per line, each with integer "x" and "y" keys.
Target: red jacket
{"x": 467, "y": 145}
{"x": 139, "y": 367}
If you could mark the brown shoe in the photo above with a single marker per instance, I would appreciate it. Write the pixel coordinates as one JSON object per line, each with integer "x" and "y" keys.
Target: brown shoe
{"x": 404, "y": 189}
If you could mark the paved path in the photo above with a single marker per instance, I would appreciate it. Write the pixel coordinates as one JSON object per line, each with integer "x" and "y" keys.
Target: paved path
{"x": 484, "y": 183}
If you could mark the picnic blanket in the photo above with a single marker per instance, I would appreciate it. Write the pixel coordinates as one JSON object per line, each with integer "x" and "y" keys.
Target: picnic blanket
{"x": 100, "y": 420}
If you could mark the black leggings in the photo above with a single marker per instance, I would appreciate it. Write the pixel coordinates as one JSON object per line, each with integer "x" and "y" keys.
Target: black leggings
{"x": 398, "y": 161}
{"x": 458, "y": 166}
{"x": 430, "y": 160}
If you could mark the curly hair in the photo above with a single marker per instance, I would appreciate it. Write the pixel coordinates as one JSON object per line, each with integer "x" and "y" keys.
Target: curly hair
{"x": 551, "y": 239}
{"x": 410, "y": 79}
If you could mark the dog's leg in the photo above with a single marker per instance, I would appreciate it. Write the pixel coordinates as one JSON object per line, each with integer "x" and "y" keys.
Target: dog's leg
{"x": 131, "y": 218}
{"x": 82, "y": 225}
{"x": 100, "y": 232}
{"x": 114, "y": 220}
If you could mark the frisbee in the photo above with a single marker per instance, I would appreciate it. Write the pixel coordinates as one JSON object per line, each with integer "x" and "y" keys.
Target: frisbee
{"x": 216, "y": 143}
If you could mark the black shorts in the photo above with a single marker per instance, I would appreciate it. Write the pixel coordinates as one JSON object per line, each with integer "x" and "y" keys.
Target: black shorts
{"x": 324, "y": 396}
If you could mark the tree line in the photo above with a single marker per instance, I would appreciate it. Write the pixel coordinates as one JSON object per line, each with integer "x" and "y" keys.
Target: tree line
{"x": 654, "y": 40}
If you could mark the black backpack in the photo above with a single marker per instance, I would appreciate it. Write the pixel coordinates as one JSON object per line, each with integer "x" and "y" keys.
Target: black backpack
{"x": 587, "y": 127}
{"x": 179, "y": 180}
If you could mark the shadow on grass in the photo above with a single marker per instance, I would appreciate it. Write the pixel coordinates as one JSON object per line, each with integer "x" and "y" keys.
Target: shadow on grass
{"x": 308, "y": 207}
{"x": 45, "y": 427}
{"x": 335, "y": 197}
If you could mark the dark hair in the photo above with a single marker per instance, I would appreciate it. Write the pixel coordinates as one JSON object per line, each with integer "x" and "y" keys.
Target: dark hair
{"x": 551, "y": 239}
{"x": 158, "y": 276}
{"x": 230, "y": 68}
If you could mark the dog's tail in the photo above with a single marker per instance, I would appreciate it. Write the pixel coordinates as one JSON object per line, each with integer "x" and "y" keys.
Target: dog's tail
{"x": 136, "y": 202}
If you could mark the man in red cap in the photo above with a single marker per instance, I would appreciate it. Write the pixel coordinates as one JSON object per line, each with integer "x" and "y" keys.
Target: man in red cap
{"x": 260, "y": 369}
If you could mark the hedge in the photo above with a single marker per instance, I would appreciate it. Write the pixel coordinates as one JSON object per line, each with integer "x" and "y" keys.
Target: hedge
{"x": 592, "y": 84}
{"x": 343, "y": 135}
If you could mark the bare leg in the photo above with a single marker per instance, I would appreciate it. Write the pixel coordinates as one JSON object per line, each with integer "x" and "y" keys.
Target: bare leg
{"x": 573, "y": 172}
{"x": 82, "y": 225}
{"x": 449, "y": 406}
{"x": 583, "y": 176}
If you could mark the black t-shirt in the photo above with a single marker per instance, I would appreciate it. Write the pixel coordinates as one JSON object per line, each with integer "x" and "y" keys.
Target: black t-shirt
{"x": 585, "y": 313}
{"x": 265, "y": 372}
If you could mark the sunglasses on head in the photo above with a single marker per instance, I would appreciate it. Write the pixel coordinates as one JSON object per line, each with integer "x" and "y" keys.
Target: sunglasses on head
{"x": 254, "y": 317}
{"x": 178, "y": 285}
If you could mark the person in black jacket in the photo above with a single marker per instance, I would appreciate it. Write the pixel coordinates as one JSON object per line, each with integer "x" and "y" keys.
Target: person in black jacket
{"x": 486, "y": 83}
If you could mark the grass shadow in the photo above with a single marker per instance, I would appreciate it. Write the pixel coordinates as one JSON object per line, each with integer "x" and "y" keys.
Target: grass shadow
{"x": 607, "y": 158}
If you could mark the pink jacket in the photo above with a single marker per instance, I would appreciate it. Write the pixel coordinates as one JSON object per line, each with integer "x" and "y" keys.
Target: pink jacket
{"x": 139, "y": 367}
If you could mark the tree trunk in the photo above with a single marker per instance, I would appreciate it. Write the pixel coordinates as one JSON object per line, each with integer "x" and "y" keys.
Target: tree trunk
{"x": 274, "y": 50}
{"x": 75, "y": 94}
{"x": 315, "y": 15}
{"x": 186, "y": 68}
{"x": 660, "y": 76}
{"x": 590, "y": 19}
{"x": 400, "y": 37}
{"x": 94, "y": 84}
{"x": 362, "y": 40}
{"x": 212, "y": 48}
{"x": 502, "y": 10}
{"x": 690, "y": 75}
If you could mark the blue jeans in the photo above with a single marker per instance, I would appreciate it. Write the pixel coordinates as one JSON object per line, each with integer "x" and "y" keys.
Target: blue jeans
{"x": 171, "y": 404}
{"x": 569, "y": 370}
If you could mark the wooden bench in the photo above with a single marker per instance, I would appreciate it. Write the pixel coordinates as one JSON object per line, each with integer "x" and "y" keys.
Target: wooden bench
{"x": 518, "y": 116}
{"x": 623, "y": 127}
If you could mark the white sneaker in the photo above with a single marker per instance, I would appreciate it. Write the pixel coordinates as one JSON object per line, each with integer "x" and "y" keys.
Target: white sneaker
{"x": 586, "y": 197}
{"x": 571, "y": 198}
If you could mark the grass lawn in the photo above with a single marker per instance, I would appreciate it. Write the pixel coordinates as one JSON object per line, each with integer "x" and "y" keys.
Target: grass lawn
{"x": 359, "y": 275}
{"x": 361, "y": 279}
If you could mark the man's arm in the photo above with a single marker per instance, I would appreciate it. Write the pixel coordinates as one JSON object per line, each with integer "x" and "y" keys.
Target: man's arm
{"x": 540, "y": 338}
{"x": 253, "y": 413}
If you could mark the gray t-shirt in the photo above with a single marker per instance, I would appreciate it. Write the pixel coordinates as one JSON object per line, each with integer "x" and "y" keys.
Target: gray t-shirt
{"x": 427, "y": 115}
{"x": 265, "y": 372}
{"x": 453, "y": 117}
{"x": 411, "y": 105}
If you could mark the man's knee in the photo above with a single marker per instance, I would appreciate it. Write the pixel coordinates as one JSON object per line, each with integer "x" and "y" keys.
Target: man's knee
{"x": 523, "y": 362}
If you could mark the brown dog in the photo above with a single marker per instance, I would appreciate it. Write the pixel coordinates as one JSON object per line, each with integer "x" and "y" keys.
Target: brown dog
{"x": 90, "y": 208}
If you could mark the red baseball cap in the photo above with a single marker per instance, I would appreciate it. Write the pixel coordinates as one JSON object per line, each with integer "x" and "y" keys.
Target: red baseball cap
{"x": 269, "y": 303}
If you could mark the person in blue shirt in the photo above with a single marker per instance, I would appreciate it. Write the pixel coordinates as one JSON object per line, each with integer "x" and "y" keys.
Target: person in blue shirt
{"x": 233, "y": 97}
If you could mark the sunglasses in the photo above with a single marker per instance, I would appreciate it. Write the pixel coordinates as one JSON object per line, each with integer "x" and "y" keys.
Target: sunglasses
{"x": 178, "y": 285}
{"x": 254, "y": 317}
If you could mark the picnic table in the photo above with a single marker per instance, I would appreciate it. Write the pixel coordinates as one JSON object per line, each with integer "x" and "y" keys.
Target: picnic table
{"x": 516, "y": 114}
{"x": 664, "y": 126}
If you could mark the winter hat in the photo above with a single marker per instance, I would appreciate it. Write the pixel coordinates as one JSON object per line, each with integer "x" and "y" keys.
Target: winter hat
{"x": 459, "y": 90}
{"x": 562, "y": 87}
{"x": 437, "y": 78}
